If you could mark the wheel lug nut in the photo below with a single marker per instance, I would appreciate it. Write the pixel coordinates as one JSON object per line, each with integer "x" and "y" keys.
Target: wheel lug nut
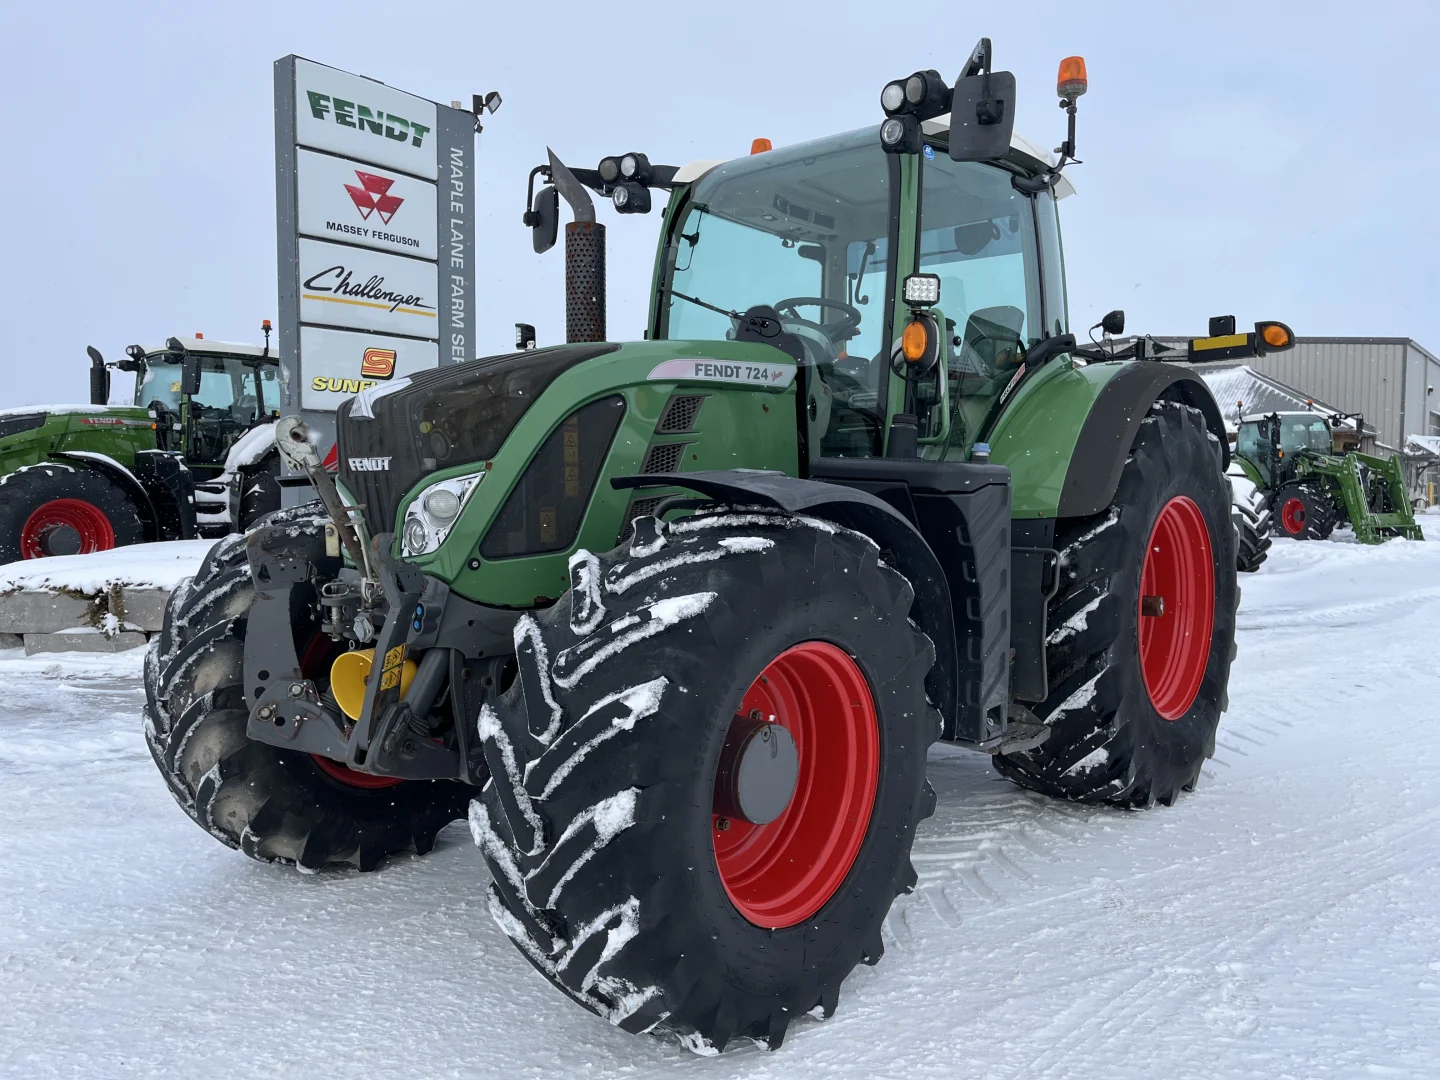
{"x": 722, "y": 824}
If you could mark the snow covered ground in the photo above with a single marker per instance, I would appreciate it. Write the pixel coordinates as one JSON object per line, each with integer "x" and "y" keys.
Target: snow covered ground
{"x": 1282, "y": 921}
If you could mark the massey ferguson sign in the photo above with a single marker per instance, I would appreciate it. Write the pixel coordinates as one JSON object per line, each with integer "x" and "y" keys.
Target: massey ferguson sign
{"x": 366, "y": 205}
{"x": 375, "y": 226}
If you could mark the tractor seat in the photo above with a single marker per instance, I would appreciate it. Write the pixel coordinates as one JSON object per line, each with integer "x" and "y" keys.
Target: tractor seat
{"x": 992, "y": 343}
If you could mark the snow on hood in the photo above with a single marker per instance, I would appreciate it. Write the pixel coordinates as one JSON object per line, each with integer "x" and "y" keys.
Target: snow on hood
{"x": 159, "y": 566}
{"x": 250, "y": 447}
{"x": 64, "y": 410}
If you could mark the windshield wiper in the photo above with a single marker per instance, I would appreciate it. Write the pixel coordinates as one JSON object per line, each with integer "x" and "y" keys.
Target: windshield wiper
{"x": 704, "y": 304}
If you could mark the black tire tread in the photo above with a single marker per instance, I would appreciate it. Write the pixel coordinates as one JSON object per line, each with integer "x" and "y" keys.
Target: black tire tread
{"x": 274, "y": 805}
{"x": 1107, "y": 744}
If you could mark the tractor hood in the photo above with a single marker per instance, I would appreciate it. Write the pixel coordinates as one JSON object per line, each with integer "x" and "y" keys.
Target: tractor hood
{"x": 71, "y": 418}
{"x": 392, "y": 435}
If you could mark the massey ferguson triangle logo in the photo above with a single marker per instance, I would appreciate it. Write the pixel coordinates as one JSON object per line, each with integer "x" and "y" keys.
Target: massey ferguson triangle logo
{"x": 372, "y": 196}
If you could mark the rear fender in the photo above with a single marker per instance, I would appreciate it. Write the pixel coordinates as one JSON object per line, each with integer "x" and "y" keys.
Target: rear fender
{"x": 1068, "y": 431}
{"x": 1109, "y": 431}
{"x": 119, "y": 475}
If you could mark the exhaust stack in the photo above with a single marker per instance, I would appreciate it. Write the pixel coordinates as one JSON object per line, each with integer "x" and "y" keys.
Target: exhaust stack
{"x": 584, "y": 259}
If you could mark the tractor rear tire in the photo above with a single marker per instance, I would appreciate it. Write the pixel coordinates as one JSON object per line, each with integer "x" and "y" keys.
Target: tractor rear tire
{"x": 615, "y": 868}
{"x": 275, "y": 805}
{"x": 1141, "y": 628}
{"x": 1304, "y": 512}
{"x": 1252, "y": 536}
{"x": 55, "y": 509}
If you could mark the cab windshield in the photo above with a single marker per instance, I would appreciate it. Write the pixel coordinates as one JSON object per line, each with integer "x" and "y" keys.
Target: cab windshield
{"x": 802, "y": 236}
{"x": 160, "y": 382}
{"x": 233, "y": 396}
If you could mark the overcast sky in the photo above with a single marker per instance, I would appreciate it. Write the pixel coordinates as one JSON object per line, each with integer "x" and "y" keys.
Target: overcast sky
{"x": 1270, "y": 160}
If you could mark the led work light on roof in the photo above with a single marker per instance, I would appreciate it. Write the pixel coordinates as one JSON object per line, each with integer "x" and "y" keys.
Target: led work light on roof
{"x": 609, "y": 170}
{"x": 901, "y": 135}
{"x": 635, "y": 167}
{"x": 631, "y": 198}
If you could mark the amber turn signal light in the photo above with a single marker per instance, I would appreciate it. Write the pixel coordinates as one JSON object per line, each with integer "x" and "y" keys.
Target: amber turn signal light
{"x": 760, "y": 146}
{"x": 1072, "y": 82}
{"x": 1276, "y": 335}
{"x": 914, "y": 341}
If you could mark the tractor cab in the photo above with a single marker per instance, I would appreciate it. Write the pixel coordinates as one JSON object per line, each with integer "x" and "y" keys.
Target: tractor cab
{"x": 204, "y": 395}
{"x": 1271, "y": 443}
{"x": 800, "y": 247}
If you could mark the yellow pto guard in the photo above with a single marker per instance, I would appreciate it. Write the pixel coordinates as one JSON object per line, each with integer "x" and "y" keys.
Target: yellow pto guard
{"x": 349, "y": 675}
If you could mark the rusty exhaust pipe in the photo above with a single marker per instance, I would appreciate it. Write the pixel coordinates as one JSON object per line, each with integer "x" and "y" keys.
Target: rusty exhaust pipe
{"x": 584, "y": 259}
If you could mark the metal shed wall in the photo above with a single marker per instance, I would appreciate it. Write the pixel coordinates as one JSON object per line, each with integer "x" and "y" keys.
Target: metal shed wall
{"x": 1364, "y": 375}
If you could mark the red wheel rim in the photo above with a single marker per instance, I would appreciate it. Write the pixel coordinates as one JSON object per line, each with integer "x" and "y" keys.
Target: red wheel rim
{"x": 1292, "y": 516}
{"x": 782, "y": 873}
{"x": 315, "y": 665}
{"x": 1179, "y": 570}
{"x": 59, "y": 517}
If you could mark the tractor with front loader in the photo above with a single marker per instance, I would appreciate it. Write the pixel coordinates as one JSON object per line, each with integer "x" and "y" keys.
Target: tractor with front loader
{"x": 674, "y": 622}
{"x": 1310, "y": 487}
{"x": 76, "y": 479}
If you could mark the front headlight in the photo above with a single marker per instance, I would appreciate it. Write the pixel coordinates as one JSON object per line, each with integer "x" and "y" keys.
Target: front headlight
{"x": 429, "y": 519}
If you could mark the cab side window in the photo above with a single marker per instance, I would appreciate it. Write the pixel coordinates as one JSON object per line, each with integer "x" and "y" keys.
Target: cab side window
{"x": 1052, "y": 264}
{"x": 977, "y": 232}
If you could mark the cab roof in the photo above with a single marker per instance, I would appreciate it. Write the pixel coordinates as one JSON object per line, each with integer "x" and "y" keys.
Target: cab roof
{"x": 1024, "y": 152}
{"x": 206, "y": 345}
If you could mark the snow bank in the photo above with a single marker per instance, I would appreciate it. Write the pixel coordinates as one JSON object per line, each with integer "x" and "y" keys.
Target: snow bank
{"x": 159, "y": 566}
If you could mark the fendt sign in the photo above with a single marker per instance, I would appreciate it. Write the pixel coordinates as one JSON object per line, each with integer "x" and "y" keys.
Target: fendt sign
{"x": 376, "y": 236}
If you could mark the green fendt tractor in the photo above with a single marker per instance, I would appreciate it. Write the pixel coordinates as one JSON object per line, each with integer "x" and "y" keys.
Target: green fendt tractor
{"x": 1291, "y": 456}
{"x": 675, "y": 622}
{"x": 76, "y": 479}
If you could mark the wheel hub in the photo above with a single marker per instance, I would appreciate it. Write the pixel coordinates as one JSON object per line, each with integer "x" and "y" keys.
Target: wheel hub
{"x": 805, "y": 748}
{"x": 1292, "y": 516}
{"x": 758, "y": 770}
{"x": 1177, "y": 607}
{"x": 65, "y": 527}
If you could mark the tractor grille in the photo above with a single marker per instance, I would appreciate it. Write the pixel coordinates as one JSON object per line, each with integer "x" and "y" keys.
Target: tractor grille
{"x": 679, "y": 415}
{"x": 664, "y": 457}
{"x": 450, "y": 416}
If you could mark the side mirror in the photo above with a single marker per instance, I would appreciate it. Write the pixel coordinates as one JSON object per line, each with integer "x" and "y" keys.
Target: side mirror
{"x": 545, "y": 219}
{"x": 982, "y": 116}
{"x": 190, "y": 376}
{"x": 1113, "y": 323}
{"x": 99, "y": 377}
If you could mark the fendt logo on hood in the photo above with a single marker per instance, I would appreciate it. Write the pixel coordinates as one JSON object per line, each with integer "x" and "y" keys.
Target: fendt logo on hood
{"x": 369, "y": 464}
{"x": 373, "y": 196}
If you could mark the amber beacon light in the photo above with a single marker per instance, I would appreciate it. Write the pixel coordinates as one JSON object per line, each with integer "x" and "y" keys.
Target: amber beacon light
{"x": 1072, "y": 82}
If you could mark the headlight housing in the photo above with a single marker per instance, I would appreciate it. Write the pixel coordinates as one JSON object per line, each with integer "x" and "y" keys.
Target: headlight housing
{"x": 429, "y": 519}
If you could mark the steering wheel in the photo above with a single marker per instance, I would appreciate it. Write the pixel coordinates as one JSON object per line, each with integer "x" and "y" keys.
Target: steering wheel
{"x": 839, "y": 332}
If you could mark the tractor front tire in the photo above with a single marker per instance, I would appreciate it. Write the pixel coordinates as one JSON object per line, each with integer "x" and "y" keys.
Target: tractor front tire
{"x": 1304, "y": 511}
{"x": 56, "y": 509}
{"x": 275, "y": 805}
{"x": 259, "y": 487}
{"x": 618, "y": 867}
{"x": 1253, "y": 524}
{"x": 1141, "y": 629}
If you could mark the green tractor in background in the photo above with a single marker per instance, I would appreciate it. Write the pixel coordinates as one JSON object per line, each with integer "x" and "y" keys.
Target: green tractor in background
{"x": 191, "y": 455}
{"x": 675, "y": 622}
{"x": 1310, "y": 488}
